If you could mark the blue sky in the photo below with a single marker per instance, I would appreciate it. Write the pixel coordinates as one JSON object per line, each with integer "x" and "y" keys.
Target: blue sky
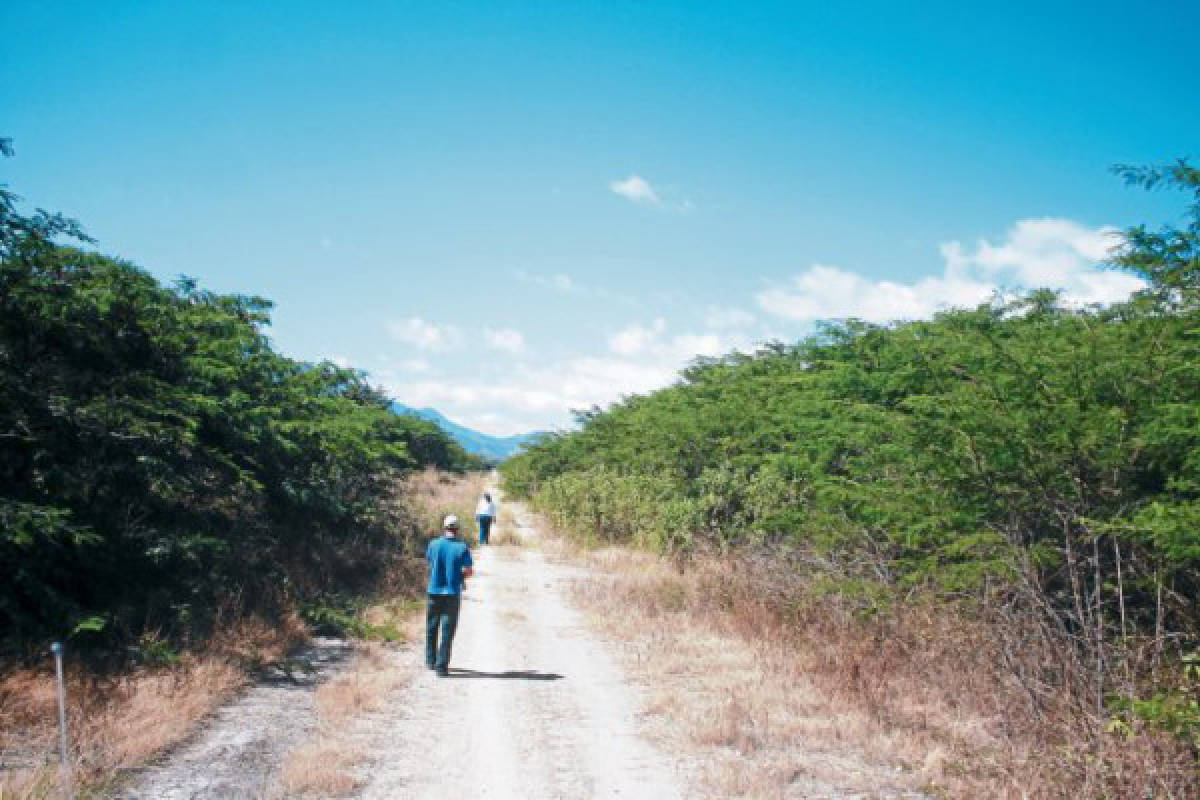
{"x": 507, "y": 210}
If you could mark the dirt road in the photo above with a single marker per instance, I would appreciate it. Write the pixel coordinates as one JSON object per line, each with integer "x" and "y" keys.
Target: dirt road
{"x": 535, "y": 706}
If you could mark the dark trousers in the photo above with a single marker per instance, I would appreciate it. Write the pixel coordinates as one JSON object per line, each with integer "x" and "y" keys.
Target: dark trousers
{"x": 485, "y": 527}
{"x": 441, "y": 617}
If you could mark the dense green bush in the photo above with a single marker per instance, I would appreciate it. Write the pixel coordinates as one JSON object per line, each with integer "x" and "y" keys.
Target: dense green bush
{"x": 160, "y": 463}
{"x": 1023, "y": 450}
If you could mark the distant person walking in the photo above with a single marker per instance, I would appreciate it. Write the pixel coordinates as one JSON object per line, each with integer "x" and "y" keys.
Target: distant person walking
{"x": 449, "y": 565}
{"x": 485, "y": 515}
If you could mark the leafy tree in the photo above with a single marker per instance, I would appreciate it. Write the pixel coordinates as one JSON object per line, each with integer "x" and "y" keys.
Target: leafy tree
{"x": 1024, "y": 452}
{"x": 159, "y": 460}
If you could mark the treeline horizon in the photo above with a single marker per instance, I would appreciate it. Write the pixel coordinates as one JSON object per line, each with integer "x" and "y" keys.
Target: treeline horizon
{"x": 1025, "y": 460}
{"x": 163, "y": 467}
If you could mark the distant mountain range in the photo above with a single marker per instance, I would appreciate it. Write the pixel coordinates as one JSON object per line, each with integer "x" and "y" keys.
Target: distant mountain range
{"x": 493, "y": 448}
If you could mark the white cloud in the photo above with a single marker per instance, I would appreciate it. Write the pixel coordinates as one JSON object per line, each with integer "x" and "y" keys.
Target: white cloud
{"x": 689, "y": 346}
{"x": 636, "y": 338}
{"x": 505, "y": 339}
{"x": 825, "y": 292}
{"x": 425, "y": 335}
{"x": 647, "y": 353}
{"x": 636, "y": 189}
{"x": 1054, "y": 253}
{"x": 530, "y": 398}
{"x": 1036, "y": 253}
{"x": 650, "y": 342}
{"x": 536, "y": 396}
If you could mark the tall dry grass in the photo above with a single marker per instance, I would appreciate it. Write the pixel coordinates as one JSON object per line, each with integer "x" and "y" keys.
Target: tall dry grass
{"x": 434, "y": 494}
{"x": 506, "y": 533}
{"x": 785, "y": 692}
{"x": 118, "y": 722}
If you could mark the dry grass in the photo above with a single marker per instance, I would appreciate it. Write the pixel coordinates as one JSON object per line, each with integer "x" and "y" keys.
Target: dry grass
{"x": 326, "y": 765}
{"x": 785, "y": 703}
{"x": 121, "y": 722}
{"x": 434, "y": 494}
{"x": 758, "y": 726}
{"x": 322, "y": 769}
{"x": 505, "y": 532}
{"x": 362, "y": 688}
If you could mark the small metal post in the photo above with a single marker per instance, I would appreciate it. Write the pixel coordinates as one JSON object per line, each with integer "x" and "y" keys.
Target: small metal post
{"x": 57, "y": 649}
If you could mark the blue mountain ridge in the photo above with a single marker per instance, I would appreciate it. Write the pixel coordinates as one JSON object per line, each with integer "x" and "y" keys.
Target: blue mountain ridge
{"x": 493, "y": 448}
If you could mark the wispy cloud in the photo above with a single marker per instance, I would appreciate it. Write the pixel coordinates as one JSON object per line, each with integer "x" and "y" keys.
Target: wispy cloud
{"x": 565, "y": 284}
{"x": 505, "y": 339}
{"x": 1036, "y": 253}
{"x": 558, "y": 281}
{"x": 636, "y": 189}
{"x": 425, "y": 335}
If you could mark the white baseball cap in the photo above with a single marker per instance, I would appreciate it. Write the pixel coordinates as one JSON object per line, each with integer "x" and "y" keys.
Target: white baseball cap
{"x": 450, "y": 521}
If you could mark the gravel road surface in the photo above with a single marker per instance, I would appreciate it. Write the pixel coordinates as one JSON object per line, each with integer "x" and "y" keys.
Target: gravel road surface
{"x": 535, "y": 705}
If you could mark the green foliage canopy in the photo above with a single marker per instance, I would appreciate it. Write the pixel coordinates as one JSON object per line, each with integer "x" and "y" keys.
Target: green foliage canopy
{"x": 159, "y": 460}
{"x": 1025, "y": 443}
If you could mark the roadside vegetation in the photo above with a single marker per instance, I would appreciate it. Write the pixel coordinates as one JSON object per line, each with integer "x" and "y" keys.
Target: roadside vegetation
{"x": 746, "y": 699}
{"x": 983, "y": 522}
{"x": 332, "y": 761}
{"x": 179, "y": 502}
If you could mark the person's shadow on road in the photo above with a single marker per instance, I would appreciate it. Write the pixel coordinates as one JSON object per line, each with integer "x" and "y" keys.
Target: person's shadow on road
{"x": 511, "y": 675}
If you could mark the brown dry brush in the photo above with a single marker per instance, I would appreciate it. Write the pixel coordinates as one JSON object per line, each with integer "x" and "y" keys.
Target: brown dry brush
{"x": 916, "y": 661}
{"x": 117, "y": 720}
{"x": 433, "y": 494}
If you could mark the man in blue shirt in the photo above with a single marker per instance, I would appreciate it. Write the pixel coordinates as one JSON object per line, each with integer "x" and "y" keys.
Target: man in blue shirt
{"x": 449, "y": 564}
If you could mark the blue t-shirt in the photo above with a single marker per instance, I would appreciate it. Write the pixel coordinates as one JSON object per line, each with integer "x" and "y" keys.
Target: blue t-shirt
{"x": 447, "y": 556}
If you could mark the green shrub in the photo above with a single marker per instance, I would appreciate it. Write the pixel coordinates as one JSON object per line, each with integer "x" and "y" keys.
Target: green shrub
{"x": 1024, "y": 449}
